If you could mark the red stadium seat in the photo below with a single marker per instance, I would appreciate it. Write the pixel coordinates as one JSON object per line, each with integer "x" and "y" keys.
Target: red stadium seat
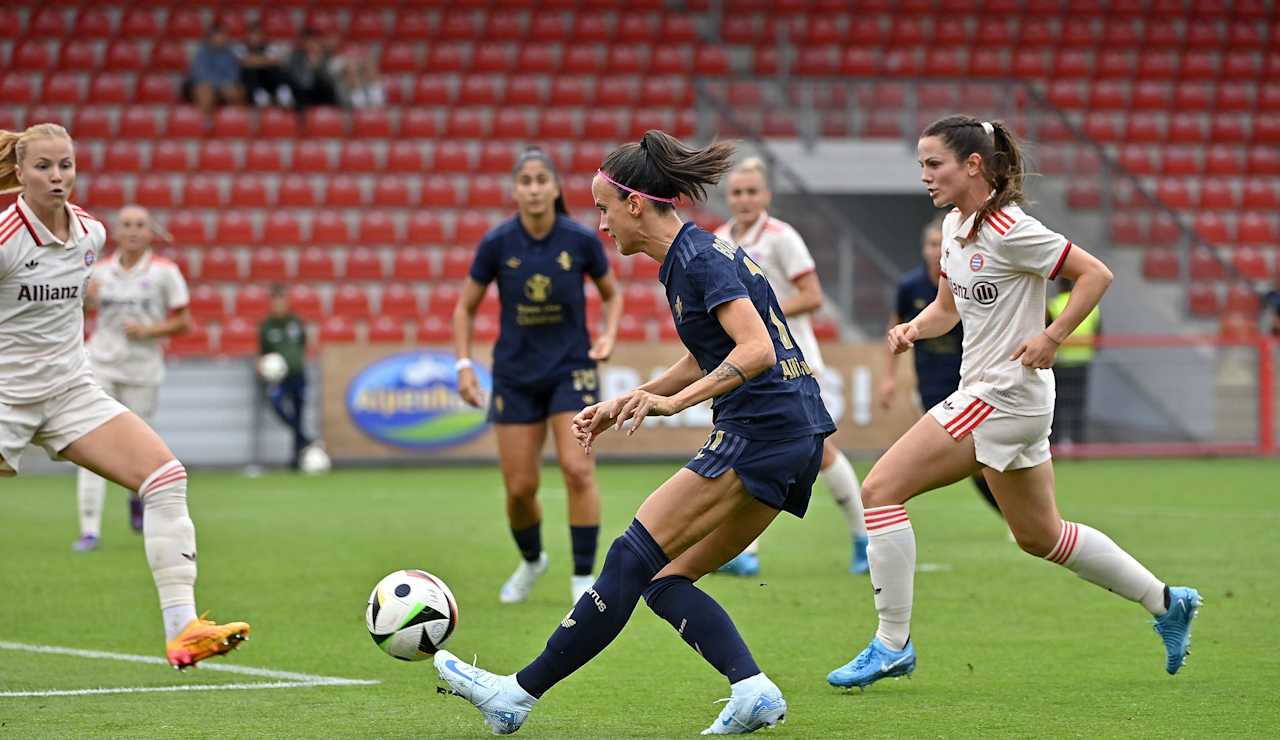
{"x": 202, "y": 191}
{"x": 399, "y": 301}
{"x": 605, "y": 125}
{"x": 364, "y": 264}
{"x": 427, "y": 229}
{"x": 220, "y": 264}
{"x": 433, "y": 330}
{"x": 93, "y": 123}
{"x": 139, "y": 123}
{"x": 351, "y": 302}
{"x": 1205, "y": 265}
{"x": 1213, "y": 229}
{"x": 438, "y": 191}
{"x": 329, "y": 229}
{"x": 471, "y": 228}
{"x": 307, "y": 303}
{"x": 112, "y": 88}
{"x": 486, "y": 192}
{"x": 1160, "y": 264}
{"x": 1182, "y": 161}
{"x": 248, "y": 191}
{"x": 1251, "y": 263}
{"x": 497, "y": 157}
{"x": 493, "y": 57}
{"x": 412, "y": 264}
{"x": 442, "y": 300}
{"x": 1264, "y": 160}
{"x": 185, "y": 122}
{"x": 337, "y": 330}
{"x": 512, "y": 124}
{"x": 377, "y": 227}
{"x": 296, "y": 190}
{"x": 419, "y": 123}
{"x": 1084, "y": 195}
{"x": 195, "y": 342}
{"x": 506, "y": 25}
{"x": 447, "y": 57}
{"x": 282, "y": 227}
{"x": 1186, "y": 128}
{"x": 218, "y": 156}
{"x": 1258, "y": 229}
{"x": 125, "y": 56}
{"x": 123, "y": 156}
{"x": 234, "y": 227}
{"x": 343, "y": 191}
{"x": 252, "y": 302}
{"x": 1243, "y": 299}
{"x": 388, "y": 330}
{"x": 398, "y": 57}
{"x": 233, "y": 123}
{"x": 394, "y": 193}
{"x": 275, "y": 123}
{"x": 558, "y": 124}
{"x": 18, "y": 88}
{"x": 184, "y": 23}
{"x": 405, "y": 156}
{"x": 78, "y": 56}
{"x": 311, "y": 156}
{"x": 1260, "y": 195}
{"x": 268, "y": 265}
{"x": 155, "y": 192}
{"x": 1175, "y": 194}
{"x": 324, "y": 123}
{"x": 373, "y": 124}
{"x": 453, "y": 157}
{"x": 63, "y": 87}
{"x": 1223, "y": 160}
{"x": 187, "y": 228}
{"x": 467, "y": 123}
{"x": 106, "y": 192}
{"x": 1218, "y": 195}
{"x": 316, "y": 264}
{"x": 140, "y": 22}
{"x": 207, "y": 303}
{"x": 1203, "y": 300}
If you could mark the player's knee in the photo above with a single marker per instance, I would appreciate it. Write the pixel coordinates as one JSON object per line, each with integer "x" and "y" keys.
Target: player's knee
{"x": 579, "y": 478}
{"x": 878, "y": 490}
{"x": 1035, "y": 541}
{"x": 522, "y": 488}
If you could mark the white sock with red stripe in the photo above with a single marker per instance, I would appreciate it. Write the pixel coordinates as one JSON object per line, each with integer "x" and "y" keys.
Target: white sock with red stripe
{"x": 891, "y": 552}
{"x": 170, "y": 540}
{"x": 1094, "y": 557}
{"x": 843, "y": 484}
{"x": 91, "y": 494}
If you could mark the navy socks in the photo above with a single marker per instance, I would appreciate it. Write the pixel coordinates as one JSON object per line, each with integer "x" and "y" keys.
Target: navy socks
{"x": 599, "y": 616}
{"x": 703, "y": 624}
{"x": 529, "y": 542}
{"x": 583, "y": 542}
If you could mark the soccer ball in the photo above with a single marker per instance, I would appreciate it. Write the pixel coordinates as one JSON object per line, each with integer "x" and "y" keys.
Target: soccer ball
{"x": 411, "y": 614}
{"x": 314, "y": 461}
{"x": 272, "y": 367}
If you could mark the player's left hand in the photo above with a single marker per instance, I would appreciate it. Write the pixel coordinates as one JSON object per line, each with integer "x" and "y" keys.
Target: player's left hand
{"x": 602, "y": 348}
{"x": 1037, "y": 352}
{"x": 641, "y": 404}
{"x": 137, "y": 331}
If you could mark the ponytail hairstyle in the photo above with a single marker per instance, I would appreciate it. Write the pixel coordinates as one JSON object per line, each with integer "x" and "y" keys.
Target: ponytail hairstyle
{"x": 660, "y": 166}
{"x": 534, "y": 153}
{"x": 13, "y": 148}
{"x": 1003, "y": 163}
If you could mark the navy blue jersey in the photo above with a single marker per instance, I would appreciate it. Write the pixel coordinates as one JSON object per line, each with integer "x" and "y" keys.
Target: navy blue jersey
{"x": 701, "y": 272}
{"x": 540, "y": 287}
{"x": 937, "y": 359}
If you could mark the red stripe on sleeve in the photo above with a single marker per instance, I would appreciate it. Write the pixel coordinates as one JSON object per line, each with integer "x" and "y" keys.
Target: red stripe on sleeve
{"x": 1061, "y": 259}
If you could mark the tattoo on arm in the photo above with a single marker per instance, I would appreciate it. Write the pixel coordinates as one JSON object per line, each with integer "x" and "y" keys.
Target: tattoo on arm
{"x": 729, "y": 370}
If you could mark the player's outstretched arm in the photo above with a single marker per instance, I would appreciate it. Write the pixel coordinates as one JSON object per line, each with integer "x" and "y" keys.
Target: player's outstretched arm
{"x": 1090, "y": 279}
{"x": 464, "y": 319}
{"x": 937, "y": 318}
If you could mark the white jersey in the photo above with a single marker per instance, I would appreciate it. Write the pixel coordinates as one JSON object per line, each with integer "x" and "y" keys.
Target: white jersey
{"x": 781, "y": 253}
{"x": 999, "y": 281}
{"x": 42, "y": 284}
{"x": 143, "y": 294}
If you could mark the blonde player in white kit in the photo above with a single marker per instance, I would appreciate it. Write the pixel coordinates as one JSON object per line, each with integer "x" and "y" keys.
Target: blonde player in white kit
{"x": 48, "y": 395}
{"x": 996, "y": 263}
{"x": 785, "y": 259}
{"x": 140, "y": 299}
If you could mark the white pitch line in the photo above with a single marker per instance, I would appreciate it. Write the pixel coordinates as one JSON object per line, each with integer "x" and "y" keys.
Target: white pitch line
{"x": 292, "y": 680}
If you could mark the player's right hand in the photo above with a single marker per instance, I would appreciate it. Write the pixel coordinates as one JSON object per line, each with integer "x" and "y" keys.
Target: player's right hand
{"x": 469, "y": 388}
{"x": 902, "y": 338}
{"x": 595, "y": 420}
{"x": 888, "y": 387}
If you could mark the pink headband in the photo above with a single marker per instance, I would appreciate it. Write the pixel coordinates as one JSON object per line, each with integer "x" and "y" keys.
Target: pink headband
{"x": 620, "y": 186}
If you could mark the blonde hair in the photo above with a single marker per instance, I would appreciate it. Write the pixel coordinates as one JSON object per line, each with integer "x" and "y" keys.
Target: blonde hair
{"x": 13, "y": 147}
{"x": 157, "y": 231}
{"x": 753, "y": 164}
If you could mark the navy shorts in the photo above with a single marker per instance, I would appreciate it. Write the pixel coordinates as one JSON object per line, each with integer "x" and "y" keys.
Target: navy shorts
{"x": 520, "y": 403}
{"x": 777, "y": 472}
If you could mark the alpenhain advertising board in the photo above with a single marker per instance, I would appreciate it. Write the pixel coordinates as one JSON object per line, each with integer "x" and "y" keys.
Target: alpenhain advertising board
{"x": 391, "y": 402}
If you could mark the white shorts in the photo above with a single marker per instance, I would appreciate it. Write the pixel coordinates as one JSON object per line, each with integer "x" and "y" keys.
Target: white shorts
{"x": 140, "y": 399}
{"x": 1002, "y": 441}
{"x": 54, "y": 423}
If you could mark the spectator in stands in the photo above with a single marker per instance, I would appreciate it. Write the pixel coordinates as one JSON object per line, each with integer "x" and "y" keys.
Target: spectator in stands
{"x": 263, "y": 72}
{"x": 1072, "y": 370}
{"x": 359, "y": 85}
{"x": 1271, "y": 306}
{"x": 284, "y": 333}
{"x": 309, "y": 72}
{"x": 215, "y": 72}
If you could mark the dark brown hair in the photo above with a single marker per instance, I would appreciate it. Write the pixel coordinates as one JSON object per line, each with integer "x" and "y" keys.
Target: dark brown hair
{"x": 662, "y": 166}
{"x": 540, "y": 155}
{"x": 1001, "y": 153}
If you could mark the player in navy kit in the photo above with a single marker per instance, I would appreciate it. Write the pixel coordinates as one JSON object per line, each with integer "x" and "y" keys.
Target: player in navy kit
{"x": 544, "y": 366}
{"x": 762, "y": 456}
{"x": 937, "y": 360}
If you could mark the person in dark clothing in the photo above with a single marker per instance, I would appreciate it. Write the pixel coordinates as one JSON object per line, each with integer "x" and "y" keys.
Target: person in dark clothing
{"x": 309, "y": 74}
{"x": 282, "y": 332}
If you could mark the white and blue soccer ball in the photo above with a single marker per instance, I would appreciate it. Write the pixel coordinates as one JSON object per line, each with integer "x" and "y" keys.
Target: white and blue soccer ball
{"x": 314, "y": 461}
{"x": 411, "y": 614}
{"x": 272, "y": 367}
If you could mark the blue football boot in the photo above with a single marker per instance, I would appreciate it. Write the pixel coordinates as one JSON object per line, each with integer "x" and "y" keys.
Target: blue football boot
{"x": 745, "y": 564}
{"x": 1174, "y": 626}
{"x": 877, "y": 661}
{"x": 859, "y": 565}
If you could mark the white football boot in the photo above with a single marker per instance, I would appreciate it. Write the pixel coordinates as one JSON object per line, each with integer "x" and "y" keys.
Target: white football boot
{"x": 518, "y": 586}
{"x": 755, "y": 702}
{"x": 501, "y": 700}
{"x": 578, "y": 586}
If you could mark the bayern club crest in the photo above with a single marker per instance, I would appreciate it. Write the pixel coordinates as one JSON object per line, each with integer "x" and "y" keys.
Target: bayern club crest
{"x": 976, "y": 262}
{"x": 88, "y": 258}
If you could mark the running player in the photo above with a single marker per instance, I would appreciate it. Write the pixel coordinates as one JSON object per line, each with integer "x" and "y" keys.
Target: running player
{"x": 785, "y": 259}
{"x": 47, "y": 392}
{"x": 761, "y": 458}
{"x": 937, "y": 360}
{"x": 140, "y": 299}
{"x": 544, "y": 364}
{"x": 996, "y": 263}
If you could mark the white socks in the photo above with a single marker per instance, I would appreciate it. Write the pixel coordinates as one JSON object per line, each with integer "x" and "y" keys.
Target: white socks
{"x": 1092, "y": 555}
{"x": 176, "y": 618}
{"x": 91, "y": 494}
{"x": 170, "y": 539}
{"x": 843, "y": 484}
{"x": 891, "y": 552}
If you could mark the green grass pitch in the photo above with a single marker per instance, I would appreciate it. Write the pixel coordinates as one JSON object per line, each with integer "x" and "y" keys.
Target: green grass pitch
{"x": 1008, "y": 645}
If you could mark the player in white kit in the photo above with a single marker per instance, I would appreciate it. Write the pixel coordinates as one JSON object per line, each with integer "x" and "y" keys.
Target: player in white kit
{"x": 140, "y": 299}
{"x": 785, "y": 259}
{"x": 48, "y": 395}
{"x": 996, "y": 263}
